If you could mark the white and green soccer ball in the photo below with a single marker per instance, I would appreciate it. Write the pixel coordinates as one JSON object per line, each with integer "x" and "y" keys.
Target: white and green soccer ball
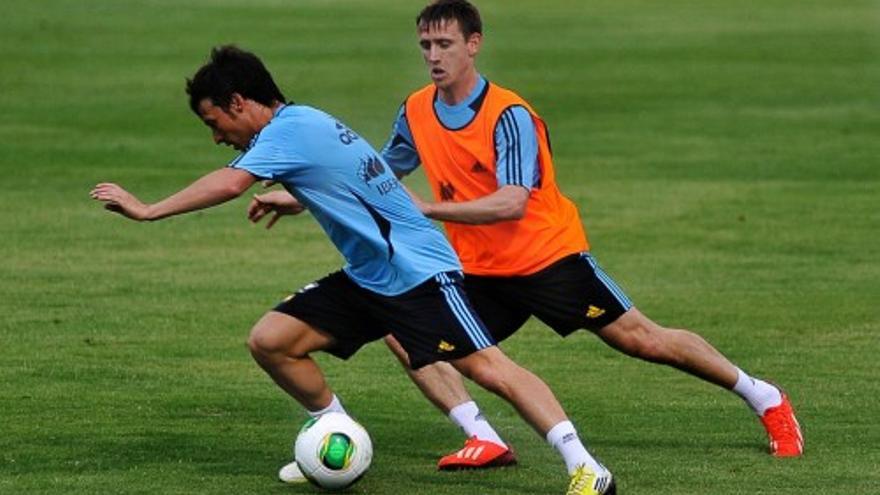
{"x": 333, "y": 451}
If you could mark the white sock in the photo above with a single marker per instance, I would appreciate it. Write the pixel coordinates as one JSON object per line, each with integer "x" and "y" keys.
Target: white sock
{"x": 469, "y": 418}
{"x": 758, "y": 394}
{"x": 335, "y": 406}
{"x": 564, "y": 438}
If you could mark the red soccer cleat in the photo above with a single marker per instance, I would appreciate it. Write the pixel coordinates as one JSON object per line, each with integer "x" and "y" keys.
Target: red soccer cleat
{"x": 478, "y": 454}
{"x": 783, "y": 429}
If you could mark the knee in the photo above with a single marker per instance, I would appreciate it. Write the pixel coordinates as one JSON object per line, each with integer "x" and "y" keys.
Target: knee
{"x": 265, "y": 342}
{"x": 650, "y": 347}
{"x": 491, "y": 380}
{"x": 259, "y": 342}
{"x": 489, "y": 375}
{"x": 277, "y": 338}
{"x": 643, "y": 341}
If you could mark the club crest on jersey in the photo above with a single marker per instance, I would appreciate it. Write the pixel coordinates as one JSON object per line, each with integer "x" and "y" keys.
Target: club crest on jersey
{"x": 447, "y": 191}
{"x": 594, "y": 312}
{"x": 370, "y": 168}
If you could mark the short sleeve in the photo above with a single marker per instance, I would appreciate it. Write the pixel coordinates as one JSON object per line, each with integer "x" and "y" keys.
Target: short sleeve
{"x": 399, "y": 151}
{"x": 263, "y": 158}
{"x": 516, "y": 147}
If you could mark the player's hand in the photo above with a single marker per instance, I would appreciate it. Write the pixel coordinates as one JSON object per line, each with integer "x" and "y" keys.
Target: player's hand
{"x": 279, "y": 203}
{"x": 421, "y": 204}
{"x": 118, "y": 200}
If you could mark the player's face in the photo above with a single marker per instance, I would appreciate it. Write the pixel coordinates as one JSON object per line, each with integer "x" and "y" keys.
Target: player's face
{"x": 228, "y": 127}
{"x": 448, "y": 55}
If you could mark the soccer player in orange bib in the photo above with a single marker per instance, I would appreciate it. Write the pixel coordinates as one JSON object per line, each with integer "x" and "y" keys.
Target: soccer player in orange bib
{"x": 487, "y": 156}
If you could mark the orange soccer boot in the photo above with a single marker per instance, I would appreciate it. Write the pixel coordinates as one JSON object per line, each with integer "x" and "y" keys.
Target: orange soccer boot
{"x": 478, "y": 454}
{"x": 783, "y": 430}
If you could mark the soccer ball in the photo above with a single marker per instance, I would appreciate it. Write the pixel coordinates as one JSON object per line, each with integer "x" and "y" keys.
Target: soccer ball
{"x": 333, "y": 451}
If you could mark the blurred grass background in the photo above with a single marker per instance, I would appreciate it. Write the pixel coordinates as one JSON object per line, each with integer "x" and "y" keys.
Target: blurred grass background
{"x": 724, "y": 156}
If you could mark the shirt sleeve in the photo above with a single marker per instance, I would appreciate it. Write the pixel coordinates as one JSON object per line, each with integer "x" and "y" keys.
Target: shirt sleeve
{"x": 262, "y": 159}
{"x": 516, "y": 149}
{"x": 399, "y": 152}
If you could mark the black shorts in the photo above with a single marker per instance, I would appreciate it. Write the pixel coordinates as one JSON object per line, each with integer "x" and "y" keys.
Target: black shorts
{"x": 570, "y": 294}
{"x": 433, "y": 321}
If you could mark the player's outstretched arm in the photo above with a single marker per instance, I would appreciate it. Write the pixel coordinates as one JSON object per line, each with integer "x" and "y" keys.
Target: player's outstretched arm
{"x": 278, "y": 202}
{"x": 212, "y": 189}
{"x": 507, "y": 203}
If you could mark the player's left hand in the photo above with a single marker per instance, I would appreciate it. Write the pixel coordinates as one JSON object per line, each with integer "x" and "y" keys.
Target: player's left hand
{"x": 279, "y": 203}
{"x": 118, "y": 200}
{"x": 421, "y": 204}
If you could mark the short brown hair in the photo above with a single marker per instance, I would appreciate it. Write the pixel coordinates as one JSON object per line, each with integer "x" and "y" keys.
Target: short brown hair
{"x": 440, "y": 11}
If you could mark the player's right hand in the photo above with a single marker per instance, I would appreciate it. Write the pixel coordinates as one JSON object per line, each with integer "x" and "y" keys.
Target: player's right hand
{"x": 279, "y": 203}
{"x": 118, "y": 200}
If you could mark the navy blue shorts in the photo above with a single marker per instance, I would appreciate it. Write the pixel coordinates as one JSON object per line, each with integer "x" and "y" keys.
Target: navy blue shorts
{"x": 433, "y": 321}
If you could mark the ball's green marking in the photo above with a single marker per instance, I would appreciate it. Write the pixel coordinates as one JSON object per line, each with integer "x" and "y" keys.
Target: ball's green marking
{"x": 336, "y": 451}
{"x": 308, "y": 424}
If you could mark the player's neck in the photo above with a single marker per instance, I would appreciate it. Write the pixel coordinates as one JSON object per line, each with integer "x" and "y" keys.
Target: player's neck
{"x": 276, "y": 106}
{"x": 458, "y": 91}
{"x": 261, "y": 115}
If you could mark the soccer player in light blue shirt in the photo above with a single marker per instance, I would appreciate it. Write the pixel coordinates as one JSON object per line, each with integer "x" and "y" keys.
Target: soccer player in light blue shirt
{"x": 389, "y": 245}
{"x": 401, "y": 274}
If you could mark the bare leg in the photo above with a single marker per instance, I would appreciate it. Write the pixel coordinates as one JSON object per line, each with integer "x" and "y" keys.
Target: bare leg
{"x": 281, "y": 345}
{"x": 532, "y": 398}
{"x": 439, "y": 382}
{"x": 536, "y": 404}
{"x": 636, "y": 335}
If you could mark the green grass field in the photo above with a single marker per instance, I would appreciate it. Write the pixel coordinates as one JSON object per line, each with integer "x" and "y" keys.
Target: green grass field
{"x": 724, "y": 156}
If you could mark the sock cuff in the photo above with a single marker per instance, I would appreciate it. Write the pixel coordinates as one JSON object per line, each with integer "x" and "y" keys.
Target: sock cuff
{"x": 465, "y": 408}
{"x": 742, "y": 380}
{"x": 335, "y": 406}
{"x": 564, "y": 430}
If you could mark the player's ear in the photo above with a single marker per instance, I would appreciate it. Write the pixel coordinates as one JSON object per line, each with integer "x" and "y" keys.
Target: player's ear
{"x": 473, "y": 43}
{"x": 236, "y": 103}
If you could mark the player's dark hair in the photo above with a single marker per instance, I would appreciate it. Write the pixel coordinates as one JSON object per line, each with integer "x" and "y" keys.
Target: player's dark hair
{"x": 441, "y": 11}
{"x": 232, "y": 70}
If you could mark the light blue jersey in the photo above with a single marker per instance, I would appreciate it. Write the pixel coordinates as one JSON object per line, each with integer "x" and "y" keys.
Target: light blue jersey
{"x": 389, "y": 245}
{"x": 516, "y": 144}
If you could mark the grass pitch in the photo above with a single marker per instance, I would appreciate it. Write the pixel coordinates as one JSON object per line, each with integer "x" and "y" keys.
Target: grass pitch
{"x": 724, "y": 156}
